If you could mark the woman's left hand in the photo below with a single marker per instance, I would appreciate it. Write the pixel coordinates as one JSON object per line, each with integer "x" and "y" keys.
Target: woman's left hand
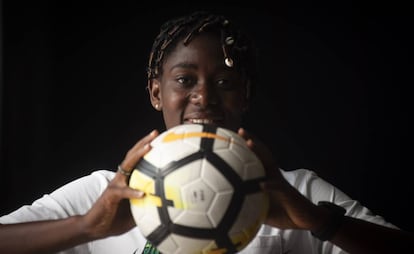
{"x": 288, "y": 209}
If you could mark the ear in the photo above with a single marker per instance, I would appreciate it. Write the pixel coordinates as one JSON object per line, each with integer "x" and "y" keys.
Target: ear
{"x": 155, "y": 93}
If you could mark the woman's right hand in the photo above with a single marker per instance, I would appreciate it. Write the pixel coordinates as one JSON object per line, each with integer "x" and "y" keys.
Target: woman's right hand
{"x": 111, "y": 215}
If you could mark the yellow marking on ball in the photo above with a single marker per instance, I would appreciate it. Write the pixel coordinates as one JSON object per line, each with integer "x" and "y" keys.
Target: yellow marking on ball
{"x": 148, "y": 200}
{"x": 170, "y": 137}
{"x": 173, "y": 193}
{"x": 146, "y": 184}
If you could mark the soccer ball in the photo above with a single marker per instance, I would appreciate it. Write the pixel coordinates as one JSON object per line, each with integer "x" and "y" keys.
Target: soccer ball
{"x": 202, "y": 191}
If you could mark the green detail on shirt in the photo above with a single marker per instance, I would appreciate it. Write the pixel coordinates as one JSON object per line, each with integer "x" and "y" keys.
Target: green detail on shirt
{"x": 150, "y": 249}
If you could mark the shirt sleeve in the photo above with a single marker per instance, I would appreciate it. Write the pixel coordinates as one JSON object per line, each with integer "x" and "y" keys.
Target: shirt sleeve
{"x": 317, "y": 189}
{"x": 74, "y": 198}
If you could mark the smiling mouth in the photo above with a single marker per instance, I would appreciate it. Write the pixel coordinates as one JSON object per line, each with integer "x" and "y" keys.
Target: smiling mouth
{"x": 201, "y": 121}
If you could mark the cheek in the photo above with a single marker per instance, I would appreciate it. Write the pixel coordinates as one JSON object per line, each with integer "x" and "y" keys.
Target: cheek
{"x": 172, "y": 107}
{"x": 173, "y": 101}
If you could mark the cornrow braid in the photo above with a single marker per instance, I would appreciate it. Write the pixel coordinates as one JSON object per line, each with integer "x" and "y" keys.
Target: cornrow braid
{"x": 238, "y": 50}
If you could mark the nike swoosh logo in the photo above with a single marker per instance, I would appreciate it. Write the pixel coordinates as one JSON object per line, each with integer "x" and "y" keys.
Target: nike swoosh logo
{"x": 170, "y": 137}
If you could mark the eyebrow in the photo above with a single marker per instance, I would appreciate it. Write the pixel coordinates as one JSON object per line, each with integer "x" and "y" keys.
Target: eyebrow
{"x": 184, "y": 65}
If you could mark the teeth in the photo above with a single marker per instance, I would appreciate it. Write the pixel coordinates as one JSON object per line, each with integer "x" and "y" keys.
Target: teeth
{"x": 201, "y": 121}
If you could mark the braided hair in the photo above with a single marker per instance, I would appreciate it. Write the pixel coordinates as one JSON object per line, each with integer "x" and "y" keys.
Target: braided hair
{"x": 238, "y": 50}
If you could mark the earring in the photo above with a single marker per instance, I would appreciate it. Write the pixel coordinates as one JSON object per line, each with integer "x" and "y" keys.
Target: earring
{"x": 157, "y": 106}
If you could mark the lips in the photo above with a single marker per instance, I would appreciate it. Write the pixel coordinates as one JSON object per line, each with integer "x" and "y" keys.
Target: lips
{"x": 200, "y": 121}
{"x": 203, "y": 119}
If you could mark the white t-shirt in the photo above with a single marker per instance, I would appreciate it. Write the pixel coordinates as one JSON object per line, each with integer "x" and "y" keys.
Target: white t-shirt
{"x": 78, "y": 196}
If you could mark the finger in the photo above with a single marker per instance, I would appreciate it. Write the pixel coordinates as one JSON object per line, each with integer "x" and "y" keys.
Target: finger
{"x": 145, "y": 140}
{"x": 246, "y": 136}
{"x": 124, "y": 172}
{"x": 138, "y": 151}
{"x": 133, "y": 193}
{"x": 243, "y": 133}
{"x": 123, "y": 192}
{"x": 131, "y": 160}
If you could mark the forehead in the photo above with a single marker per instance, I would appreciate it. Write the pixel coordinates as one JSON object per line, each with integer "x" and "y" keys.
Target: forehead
{"x": 204, "y": 48}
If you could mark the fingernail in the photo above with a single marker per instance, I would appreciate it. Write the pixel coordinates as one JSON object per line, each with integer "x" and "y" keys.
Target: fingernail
{"x": 139, "y": 194}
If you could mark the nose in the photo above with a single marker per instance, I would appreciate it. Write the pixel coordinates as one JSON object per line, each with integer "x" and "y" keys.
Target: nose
{"x": 204, "y": 95}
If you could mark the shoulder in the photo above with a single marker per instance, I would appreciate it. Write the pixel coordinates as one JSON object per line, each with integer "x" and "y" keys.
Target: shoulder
{"x": 96, "y": 180}
{"x": 91, "y": 185}
{"x": 314, "y": 187}
{"x": 298, "y": 177}
{"x": 104, "y": 175}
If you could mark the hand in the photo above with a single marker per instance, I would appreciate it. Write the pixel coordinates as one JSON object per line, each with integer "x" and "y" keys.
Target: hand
{"x": 111, "y": 214}
{"x": 288, "y": 209}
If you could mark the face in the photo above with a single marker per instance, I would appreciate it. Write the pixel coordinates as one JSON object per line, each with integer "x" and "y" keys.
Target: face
{"x": 197, "y": 87}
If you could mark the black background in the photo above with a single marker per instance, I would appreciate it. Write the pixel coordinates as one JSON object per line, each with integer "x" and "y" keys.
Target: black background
{"x": 333, "y": 96}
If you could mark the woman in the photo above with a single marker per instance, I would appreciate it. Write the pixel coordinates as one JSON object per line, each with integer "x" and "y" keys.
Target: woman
{"x": 201, "y": 70}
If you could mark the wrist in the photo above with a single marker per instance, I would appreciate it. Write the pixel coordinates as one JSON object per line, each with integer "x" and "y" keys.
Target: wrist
{"x": 331, "y": 223}
{"x": 85, "y": 229}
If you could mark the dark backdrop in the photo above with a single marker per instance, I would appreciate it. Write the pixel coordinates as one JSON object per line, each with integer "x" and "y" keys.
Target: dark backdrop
{"x": 333, "y": 95}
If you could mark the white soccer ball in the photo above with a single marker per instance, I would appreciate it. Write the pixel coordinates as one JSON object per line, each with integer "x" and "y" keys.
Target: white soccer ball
{"x": 202, "y": 191}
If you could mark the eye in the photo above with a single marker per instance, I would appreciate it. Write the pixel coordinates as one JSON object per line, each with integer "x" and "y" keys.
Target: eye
{"x": 185, "y": 81}
{"x": 225, "y": 84}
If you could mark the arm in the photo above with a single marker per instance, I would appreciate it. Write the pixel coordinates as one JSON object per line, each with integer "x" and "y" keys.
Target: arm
{"x": 354, "y": 235}
{"x": 289, "y": 209}
{"x": 42, "y": 236}
{"x": 109, "y": 215}
{"x": 359, "y": 236}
